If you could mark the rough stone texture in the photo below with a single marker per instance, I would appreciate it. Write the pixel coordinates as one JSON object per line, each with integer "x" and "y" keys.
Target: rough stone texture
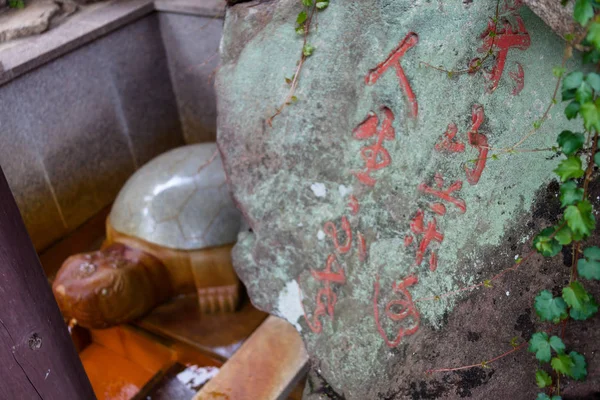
{"x": 179, "y": 200}
{"x": 72, "y": 132}
{"x": 296, "y": 183}
{"x": 192, "y": 45}
{"x": 31, "y": 20}
{"x": 558, "y": 17}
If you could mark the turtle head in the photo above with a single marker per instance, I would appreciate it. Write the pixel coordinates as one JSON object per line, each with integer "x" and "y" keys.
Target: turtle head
{"x": 111, "y": 286}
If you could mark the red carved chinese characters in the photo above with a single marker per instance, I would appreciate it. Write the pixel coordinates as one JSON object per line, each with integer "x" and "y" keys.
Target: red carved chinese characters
{"x": 331, "y": 230}
{"x": 445, "y": 195}
{"x": 326, "y": 297}
{"x": 479, "y": 141}
{"x": 519, "y": 78}
{"x": 393, "y": 60}
{"x": 449, "y": 142}
{"x": 375, "y": 156}
{"x": 429, "y": 234}
{"x": 401, "y": 310}
{"x": 362, "y": 247}
{"x": 354, "y": 205}
{"x": 501, "y": 39}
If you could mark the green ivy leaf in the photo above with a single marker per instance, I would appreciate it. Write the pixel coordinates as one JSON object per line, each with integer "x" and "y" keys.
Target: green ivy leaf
{"x": 589, "y": 112}
{"x": 593, "y": 79}
{"x": 583, "y": 94}
{"x": 591, "y": 57}
{"x": 540, "y": 345}
{"x": 593, "y": 35}
{"x": 307, "y": 3}
{"x": 579, "y": 369}
{"x": 302, "y": 17}
{"x": 544, "y": 396}
{"x": 572, "y": 110}
{"x": 558, "y": 71}
{"x": 321, "y": 5}
{"x": 580, "y": 219}
{"x": 300, "y": 30}
{"x": 572, "y": 81}
{"x": 583, "y": 11}
{"x": 557, "y": 345}
{"x": 542, "y": 379}
{"x": 563, "y": 364}
{"x": 575, "y": 295}
{"x": 588, "y": 310}
{"x": 545, "y": 244}
{"x": 569, "y": 168}
{"x": 308, "y": 49}
{"x": 589, "y": 267}
{"x": 550, "y": 308}
{"x": 570, "y": 193}
{"x": 564, "y": 236}
{"x": 570, "y": 142}
{"x": 597, "y": 158}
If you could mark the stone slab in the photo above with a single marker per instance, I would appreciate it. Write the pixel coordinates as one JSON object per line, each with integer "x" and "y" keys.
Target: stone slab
{"x": 31, "y": 20}
{"x": 192, "y": 46}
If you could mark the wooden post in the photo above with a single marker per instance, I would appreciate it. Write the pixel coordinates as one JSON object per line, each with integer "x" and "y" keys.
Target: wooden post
{"x": 37, "y": 357}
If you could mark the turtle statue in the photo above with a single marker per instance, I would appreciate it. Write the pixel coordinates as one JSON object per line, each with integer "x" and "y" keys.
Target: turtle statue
{"x": 170, "y": 231}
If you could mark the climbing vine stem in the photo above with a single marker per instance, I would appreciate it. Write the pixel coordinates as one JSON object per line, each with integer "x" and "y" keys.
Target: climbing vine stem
{"x": 304, "y": 23}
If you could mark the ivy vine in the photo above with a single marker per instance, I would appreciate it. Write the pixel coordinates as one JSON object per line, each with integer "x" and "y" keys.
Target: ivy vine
{"x": 304, "y": 26}
{"x": 581, "y": 91}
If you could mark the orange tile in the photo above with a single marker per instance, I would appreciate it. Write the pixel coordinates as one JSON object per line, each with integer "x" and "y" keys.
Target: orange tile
{"x": 113, "y": 377}
{"x": 136, "y": 346}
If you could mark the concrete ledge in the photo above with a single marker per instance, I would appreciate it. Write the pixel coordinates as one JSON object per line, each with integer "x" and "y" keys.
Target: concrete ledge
{"x": 205, "y": 8}
{"x": 22, "y": 55}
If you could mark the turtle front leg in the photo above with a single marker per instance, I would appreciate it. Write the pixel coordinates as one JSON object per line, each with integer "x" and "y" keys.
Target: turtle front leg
{"x": 217, "y": 284}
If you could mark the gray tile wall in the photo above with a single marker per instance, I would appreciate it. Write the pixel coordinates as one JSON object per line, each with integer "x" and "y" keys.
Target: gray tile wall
{"x": 73, "y": 130}
{"x": 192, "y": 45}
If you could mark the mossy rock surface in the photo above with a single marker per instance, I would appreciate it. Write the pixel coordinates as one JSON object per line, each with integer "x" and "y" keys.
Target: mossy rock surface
{"x": 312, "y": 177}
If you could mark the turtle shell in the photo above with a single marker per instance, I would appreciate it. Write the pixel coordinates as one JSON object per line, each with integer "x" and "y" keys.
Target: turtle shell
{"x": 179, "y": 200}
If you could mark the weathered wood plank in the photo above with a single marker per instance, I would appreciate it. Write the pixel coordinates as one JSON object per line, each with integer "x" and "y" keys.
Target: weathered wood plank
{"x": 37, "y": 356}
{"x": 266, "y": 367}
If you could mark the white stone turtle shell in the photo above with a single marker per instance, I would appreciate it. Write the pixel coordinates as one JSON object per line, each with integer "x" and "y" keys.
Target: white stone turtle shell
{"x": 179, "y": 200}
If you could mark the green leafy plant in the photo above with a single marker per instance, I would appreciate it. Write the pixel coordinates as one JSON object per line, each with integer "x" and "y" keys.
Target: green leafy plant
{"x": 16, "y": 3}
{"x": 581, "y": 91}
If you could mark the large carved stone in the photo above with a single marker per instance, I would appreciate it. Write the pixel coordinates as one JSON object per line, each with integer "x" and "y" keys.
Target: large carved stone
{"x": 557, "y": 16}
{"x": 377, "y": 212}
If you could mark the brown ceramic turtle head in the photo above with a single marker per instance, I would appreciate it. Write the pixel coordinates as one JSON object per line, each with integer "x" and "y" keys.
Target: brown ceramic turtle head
{"x": 110, "y": 286}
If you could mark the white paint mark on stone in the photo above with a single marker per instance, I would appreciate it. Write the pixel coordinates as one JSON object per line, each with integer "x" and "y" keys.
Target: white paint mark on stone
{"x": 507, "y": 293}
{"x": 320, "y": 235}
{"x": 344, "y": 191}
{"x": 47, "y": 374}
{"x": 300, "y": 224}
{"x": 319, "y": 189}
{"x": 516, "y": 257}
{"x": 289, "y": 304}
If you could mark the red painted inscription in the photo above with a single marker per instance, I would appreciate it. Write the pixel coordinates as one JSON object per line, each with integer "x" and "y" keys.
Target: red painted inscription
{"x": 399, "y": 310}
{"x": 326, "y": 297}
{"x": 449, "y": 142}
{"x": 500, "y": 39}
{"x": 376, "y": 156}
{"x": 429, "y": 234}
{"x": 479, "y": 141}
{"x": 445, "y": 195}
{"x": 331, "y": 231}
{"x": 393, "y": 60}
